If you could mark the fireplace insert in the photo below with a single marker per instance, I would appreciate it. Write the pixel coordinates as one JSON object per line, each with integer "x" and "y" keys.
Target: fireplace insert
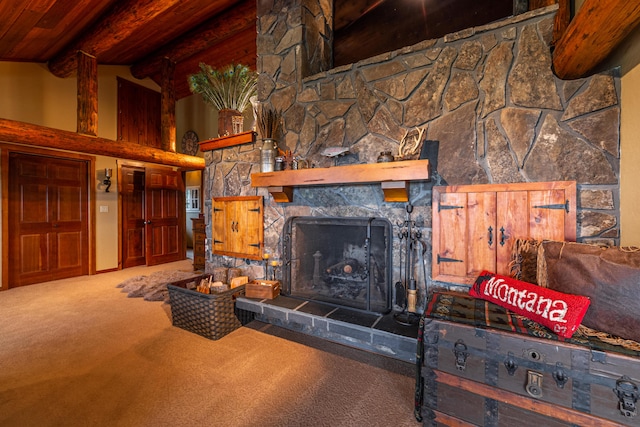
{"x": 340, "y": 261}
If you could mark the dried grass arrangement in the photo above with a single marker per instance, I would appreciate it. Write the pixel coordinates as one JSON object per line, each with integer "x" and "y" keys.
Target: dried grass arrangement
{"x": 229, "y": 88}
{"x": 269, "y": 123}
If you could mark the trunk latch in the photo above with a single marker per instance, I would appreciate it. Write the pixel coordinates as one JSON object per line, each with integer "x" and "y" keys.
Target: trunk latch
{"x": 627, "y": 393}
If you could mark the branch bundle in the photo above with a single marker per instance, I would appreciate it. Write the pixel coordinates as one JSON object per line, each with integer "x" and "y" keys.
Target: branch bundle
{"x": 269, "y": 123}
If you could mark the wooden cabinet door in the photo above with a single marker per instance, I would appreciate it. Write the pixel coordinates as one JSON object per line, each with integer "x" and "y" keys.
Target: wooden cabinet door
{"x": 475, "y": 226}
{"x": 238, "y": 226}
{"x": 512, "y": 222}
{"x": 464, "y": 227}
{"x": 219, "y": 225}
{"x": 481, "y": 232}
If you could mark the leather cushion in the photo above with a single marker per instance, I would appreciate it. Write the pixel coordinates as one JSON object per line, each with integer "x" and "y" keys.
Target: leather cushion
{"x": 609, "y": 276}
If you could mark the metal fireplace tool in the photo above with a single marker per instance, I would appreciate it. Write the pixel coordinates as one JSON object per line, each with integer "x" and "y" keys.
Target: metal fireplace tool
{"x": 406, "y": 289}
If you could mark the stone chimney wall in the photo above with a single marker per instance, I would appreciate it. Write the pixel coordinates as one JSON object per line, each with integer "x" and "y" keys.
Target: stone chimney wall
{"x": 487, "y": 94}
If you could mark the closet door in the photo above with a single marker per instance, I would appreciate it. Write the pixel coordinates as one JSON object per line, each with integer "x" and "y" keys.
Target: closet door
{"x": 165, "y": 224}
{"x": 48, "y": 218}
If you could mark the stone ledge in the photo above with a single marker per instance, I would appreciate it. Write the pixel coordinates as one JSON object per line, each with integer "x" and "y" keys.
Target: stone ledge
{"x": 362, "y": 337}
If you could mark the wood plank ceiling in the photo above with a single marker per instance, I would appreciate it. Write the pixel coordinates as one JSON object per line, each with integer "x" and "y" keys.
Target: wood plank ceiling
{"x": 140, "y": 33}
{"x": 137, "y": 33}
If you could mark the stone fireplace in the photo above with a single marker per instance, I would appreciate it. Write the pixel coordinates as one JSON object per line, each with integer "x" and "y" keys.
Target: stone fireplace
{"x": 486, "y": 94}
{"x": 339, "y": 261}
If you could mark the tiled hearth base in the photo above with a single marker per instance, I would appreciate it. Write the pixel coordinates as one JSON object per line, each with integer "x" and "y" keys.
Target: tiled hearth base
{"x": 381, "y": 334}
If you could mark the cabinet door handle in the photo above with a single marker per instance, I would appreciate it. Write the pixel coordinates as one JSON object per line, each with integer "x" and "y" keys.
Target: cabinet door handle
{"x": 490, "y": 230}
{"x": 503, "y": 236}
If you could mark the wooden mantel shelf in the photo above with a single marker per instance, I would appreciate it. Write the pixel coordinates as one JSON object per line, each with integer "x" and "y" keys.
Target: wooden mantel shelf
{"x": 393, "y": 177}
{"x": 228, "y": 141}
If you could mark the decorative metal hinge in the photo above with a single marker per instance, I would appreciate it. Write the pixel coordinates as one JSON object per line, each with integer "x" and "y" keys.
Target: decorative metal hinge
{"x": 627, "y": 393}
{"x": 255, "y": 210}
{"x": 449, "y": 207}
{"x": 460, "y": 352}
{"x": 445, "y": 259}
{"x": 217, "y": 241}
{"x": 564, "y": 206}
{"x": 255, "y": 245}
{"x": 217, "y": 210}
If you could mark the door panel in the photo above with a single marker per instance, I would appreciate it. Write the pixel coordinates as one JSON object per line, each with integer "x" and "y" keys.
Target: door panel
{"x": 164, "y": 199}
{"x": 48, "y": 218}
{"x": 481, "y": 225}
{"x": 451, "y": 257}
{"x": 547, "y": 215}
{"x": 512, "y": 224}
{"x": 133, "y": 216}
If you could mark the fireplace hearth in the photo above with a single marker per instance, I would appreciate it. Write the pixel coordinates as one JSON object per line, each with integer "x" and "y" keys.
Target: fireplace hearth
{"x": 344, "y": 262}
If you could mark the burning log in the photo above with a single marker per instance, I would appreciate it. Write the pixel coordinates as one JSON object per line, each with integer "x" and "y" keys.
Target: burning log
{"x": 348, "y": 267}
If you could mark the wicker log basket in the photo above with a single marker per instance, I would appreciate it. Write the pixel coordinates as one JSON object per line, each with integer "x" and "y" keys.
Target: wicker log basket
{"x": 209, "y": 315}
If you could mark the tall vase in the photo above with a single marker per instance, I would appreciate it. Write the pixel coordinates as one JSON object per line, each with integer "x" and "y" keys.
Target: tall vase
{"x": 230, "y": 122}
{"x": 268, "y": 155}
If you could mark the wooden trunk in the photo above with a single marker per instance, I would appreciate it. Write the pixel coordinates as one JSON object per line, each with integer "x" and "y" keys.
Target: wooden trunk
{"x": 476, "y": 375}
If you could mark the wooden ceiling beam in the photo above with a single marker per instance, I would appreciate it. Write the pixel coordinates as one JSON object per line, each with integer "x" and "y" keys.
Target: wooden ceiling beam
{"x": 595, "y": 31}
{"x": 41, "y": 136}
{"x": 239, "y": 49}
{"x": 214, "y": 31}
{"x": 123, "y": 20}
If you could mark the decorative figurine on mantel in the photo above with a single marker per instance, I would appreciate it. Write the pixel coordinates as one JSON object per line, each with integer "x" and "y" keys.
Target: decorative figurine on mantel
{"x": 334, "y": 153}
{"x": 411, "y": 144}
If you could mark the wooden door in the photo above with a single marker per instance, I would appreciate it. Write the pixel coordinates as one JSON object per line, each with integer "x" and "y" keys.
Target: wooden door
{"x": 449, "y": 234}
{"x": 165, "y": 213}
{"x": 219, "y": 225}
{"x": 466, "y": 239}
{"x": 133, "y": 216}
{"x": 475, "y": 226}
{"x": 245, "y": 227}
{"x": 512, "y": 223}
{"x": 48, "y": 219}
{"x": 238, "y": 226}
{"x": 481, "y": 232}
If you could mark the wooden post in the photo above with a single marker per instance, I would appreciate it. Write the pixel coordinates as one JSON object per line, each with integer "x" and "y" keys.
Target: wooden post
{"x": 87, "y": 94}
{"x": 562, "y": 20}
{"x": 168, "y": 106}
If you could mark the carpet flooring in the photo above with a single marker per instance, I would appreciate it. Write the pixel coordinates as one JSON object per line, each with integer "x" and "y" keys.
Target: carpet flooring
{"x": 78, "y": 352}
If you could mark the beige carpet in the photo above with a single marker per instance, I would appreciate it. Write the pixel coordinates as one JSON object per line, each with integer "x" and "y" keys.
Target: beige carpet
{"x": 78, "y": 352}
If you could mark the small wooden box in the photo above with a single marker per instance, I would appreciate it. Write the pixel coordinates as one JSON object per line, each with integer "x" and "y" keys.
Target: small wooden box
{"x": 263, "y": 289}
